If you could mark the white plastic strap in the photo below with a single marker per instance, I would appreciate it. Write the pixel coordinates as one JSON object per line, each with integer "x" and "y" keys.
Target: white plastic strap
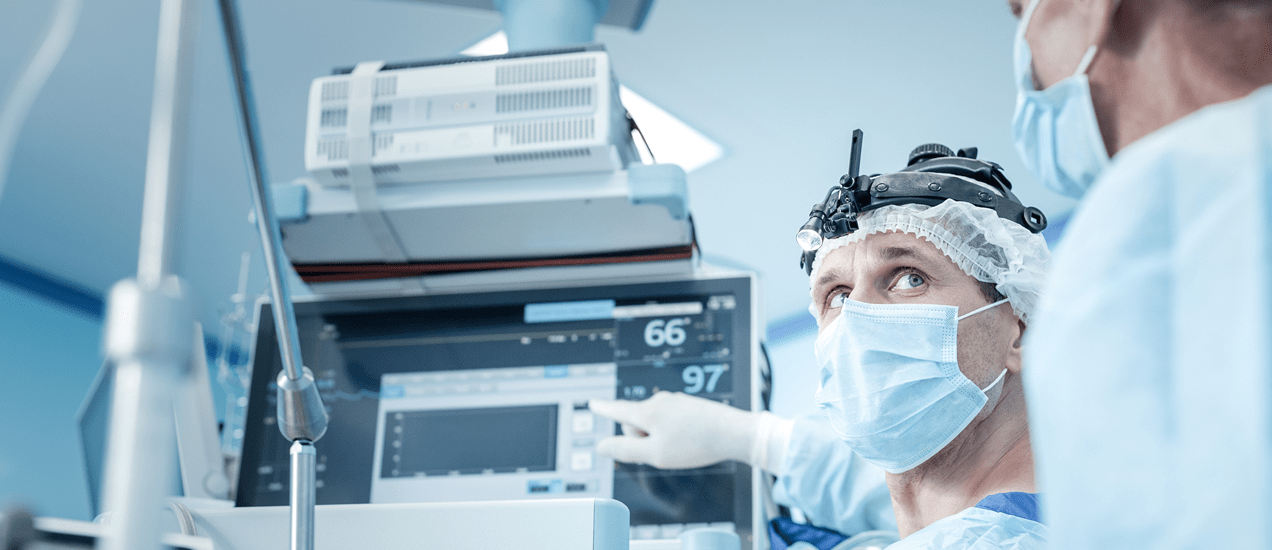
{"x": 361, "y": 177}
{"x": 983, "y": 308}
{"x": 1086, "y": 61}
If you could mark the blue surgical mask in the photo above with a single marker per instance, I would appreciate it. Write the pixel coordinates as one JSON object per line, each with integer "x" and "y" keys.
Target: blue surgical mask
{"x": 1055, "y": 129}
{"x": 890, "y": 382}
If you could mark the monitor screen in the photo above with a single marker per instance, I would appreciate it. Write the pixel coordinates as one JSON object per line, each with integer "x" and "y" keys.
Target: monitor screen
{"x": 483, "y": 396}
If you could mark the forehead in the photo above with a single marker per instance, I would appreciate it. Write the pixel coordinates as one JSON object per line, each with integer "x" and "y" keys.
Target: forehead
{"x": 882, "y": 249}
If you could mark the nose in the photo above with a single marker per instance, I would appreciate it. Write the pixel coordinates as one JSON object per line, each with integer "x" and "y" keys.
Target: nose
{"x": 866, "y": 294}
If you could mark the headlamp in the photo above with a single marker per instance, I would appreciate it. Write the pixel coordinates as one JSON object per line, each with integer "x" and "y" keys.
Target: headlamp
{"x": 933, "y": 174}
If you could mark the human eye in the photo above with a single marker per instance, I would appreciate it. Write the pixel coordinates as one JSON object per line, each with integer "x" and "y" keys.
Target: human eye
{"x": 909, "y": 281}
{"x": 835, "y": 299}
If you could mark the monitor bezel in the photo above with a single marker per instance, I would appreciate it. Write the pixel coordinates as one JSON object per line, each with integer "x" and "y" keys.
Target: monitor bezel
{"x": 741, "y": 283}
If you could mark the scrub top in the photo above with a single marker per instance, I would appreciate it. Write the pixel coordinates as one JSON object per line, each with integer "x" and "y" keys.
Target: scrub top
{"x": 979, "y": 528}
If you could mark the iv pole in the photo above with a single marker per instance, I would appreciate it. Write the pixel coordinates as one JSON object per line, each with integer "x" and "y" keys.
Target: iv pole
{"x": 301, "y": 416}
{"x": 149, "y": 318}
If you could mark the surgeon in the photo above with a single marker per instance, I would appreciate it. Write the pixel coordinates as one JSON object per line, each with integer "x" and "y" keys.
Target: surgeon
{"x": 1150, "y": 361}
{"x": 922, "y": 290}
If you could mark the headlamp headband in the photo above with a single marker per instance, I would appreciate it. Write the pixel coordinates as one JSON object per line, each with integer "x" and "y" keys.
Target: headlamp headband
{"x": 933, "y": 174}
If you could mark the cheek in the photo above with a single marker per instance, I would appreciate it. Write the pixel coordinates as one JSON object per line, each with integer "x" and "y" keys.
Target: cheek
{"x": 1057, "y": 48}
{"x": 982, "y": 349}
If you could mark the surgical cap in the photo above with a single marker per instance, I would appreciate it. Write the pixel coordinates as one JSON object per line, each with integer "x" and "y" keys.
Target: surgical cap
{"x": 985, "y": 246}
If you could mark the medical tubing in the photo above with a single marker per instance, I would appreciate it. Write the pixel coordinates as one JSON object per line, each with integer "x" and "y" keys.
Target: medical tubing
{"x": 271, "y": 238}
{"x": 32, "y": 80}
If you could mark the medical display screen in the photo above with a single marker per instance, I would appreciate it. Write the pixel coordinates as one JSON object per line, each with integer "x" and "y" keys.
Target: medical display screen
{"x": 483, "y": 396}
{"x": 450, "y": 442}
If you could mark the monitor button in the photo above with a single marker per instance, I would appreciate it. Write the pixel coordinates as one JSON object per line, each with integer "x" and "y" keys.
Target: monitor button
{"x": 581, "y": 461}
{"x": 644, "y": 532}
{"x": 670, "y": 530}
{"x": 584, "y": 422}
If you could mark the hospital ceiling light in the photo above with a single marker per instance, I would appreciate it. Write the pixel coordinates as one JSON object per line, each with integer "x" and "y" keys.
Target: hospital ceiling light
{"x": 671, "y": 140}
{"x": 495, "y": 44}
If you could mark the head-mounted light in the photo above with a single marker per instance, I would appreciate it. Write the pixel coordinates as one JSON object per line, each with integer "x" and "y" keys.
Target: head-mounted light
{"x": 933, "y": 174}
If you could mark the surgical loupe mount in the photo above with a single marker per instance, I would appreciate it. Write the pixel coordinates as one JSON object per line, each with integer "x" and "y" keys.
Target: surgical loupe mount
{"x": 933, "y": 174}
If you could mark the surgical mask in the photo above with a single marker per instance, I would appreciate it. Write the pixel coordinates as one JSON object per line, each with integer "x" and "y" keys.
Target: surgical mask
{"x": 890, "y": 382}
{"x": 1055, "y": 130}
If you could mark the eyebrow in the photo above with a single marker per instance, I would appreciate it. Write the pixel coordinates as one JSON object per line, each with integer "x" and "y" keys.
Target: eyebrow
{"x": 828, "y": 277}
{"x": 890, "y": 253}
{"x": 897, "y": 252}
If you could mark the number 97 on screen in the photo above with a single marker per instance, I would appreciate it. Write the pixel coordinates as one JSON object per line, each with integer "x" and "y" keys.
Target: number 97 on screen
{"x": 699, "y": 378}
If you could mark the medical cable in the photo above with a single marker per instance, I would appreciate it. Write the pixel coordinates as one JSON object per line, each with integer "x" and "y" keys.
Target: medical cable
{"x": 632, "y": 123}
{"x": 32, "y": 80}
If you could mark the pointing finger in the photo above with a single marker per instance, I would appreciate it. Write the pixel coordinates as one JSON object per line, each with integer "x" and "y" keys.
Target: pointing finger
{"x": 625, "y": 412}
{"x": 625, "y": 449}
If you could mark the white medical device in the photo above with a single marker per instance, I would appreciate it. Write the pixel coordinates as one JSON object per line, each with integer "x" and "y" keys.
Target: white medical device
{"x": 478, "y": 393}
{"x": 520, "y": 160}
{"x": 467, "y": 118}
{"x": 568, "y": 524}
{"x": 565, "y": 524}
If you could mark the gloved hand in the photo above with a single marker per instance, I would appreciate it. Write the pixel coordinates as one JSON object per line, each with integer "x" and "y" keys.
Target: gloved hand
{"x": 674, "y": 430}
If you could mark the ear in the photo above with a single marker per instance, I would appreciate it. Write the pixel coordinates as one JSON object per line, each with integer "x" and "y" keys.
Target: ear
{"x": 1119, "y": 26}
{"x": 1014, "y": 355}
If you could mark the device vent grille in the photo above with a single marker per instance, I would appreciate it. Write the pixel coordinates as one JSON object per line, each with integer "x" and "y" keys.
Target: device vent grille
{"x": 565, "y": 69}
{"x": 543, "y": 99}
{"x": 337, "y": 118}
{"x": 334, "y": 118}
{"x": 385, "y": 85}
{"x": 333, "y": 148}
{"x": 542, "y": 155}
{"x": 377, "y": 170}
{"x": 338, "y": 90}
{"x": 562, "y": 129}
{"x": 337, "y": 148}
{"x": 335, "y": 90}
{"x": 382, "y": 142}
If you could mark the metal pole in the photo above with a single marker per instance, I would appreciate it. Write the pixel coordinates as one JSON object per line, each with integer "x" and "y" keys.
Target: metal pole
{"x": 304, "y": 464}
{"x": 271, "y": 239}
{"x": 169, "y": 122}
{"x": 301, "y": 415}
{"x": 148, "y": 320}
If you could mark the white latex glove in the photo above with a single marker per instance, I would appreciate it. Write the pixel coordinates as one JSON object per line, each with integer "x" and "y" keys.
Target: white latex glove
{"x": 674, "y": 430}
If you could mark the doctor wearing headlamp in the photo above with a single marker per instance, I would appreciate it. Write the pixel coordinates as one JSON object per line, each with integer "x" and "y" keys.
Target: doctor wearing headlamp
{"x": 921, "y": 307}
{"x": 1150, "y": 361}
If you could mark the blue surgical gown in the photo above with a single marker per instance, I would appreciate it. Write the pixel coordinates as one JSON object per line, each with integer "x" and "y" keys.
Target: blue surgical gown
{"x": 1148, "y": 366}
{"x": 977, "y": 529}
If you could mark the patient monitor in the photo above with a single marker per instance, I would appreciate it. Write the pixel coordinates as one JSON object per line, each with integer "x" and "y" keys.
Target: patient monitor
{"x": 481, "y": 395}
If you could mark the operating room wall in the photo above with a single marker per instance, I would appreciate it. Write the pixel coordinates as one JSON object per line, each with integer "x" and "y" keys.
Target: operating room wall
{"x": 778, "y": 84}
{"x": 50, "y": 356}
